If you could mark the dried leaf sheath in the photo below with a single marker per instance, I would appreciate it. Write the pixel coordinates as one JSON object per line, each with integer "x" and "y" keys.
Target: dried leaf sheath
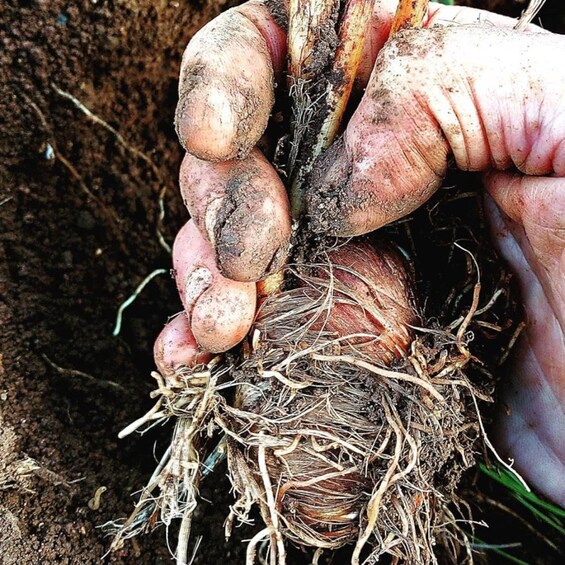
{"x": 409, "y": 14}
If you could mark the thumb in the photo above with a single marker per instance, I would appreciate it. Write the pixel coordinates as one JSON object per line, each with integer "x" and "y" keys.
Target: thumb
{"x": 487, "y": 96}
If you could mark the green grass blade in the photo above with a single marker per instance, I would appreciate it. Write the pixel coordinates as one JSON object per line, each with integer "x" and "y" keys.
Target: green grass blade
{"x": 544, "y": 517}
{"x": 544, "y": 511}
{"x": 503, "y": 477}
{"x": 534, "y": 499}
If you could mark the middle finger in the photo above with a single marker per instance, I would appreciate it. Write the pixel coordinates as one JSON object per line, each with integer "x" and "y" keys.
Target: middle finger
{"x": 241, "y": 207}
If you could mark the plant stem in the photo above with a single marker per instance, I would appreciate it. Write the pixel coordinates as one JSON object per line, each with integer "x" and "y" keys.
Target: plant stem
{"x": 352, "y": 33}
{"x": 409, "y": 14}
{"x": 309, "y": 22}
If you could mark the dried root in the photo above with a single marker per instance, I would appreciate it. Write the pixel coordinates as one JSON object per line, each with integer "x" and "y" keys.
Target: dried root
{"x": 360, "y": 453}
{"x": 172, "y": 490}
{"x": 338, "y": 437}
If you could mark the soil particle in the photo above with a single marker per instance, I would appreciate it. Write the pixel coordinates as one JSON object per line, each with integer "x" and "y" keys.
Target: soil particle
{"x": 279, "y": 11}
{"x": 235, "y": 221}
{"x": 237, "y": 192}
{"x": 322, "y": 55}
{"x": 332, "y": 172}
{"x": 419, "y": 43}
{"x": 249, "y": 94}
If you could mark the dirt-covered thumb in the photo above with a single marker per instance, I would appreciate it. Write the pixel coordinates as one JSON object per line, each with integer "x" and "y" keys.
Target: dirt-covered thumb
{"x": 490, "y": 97}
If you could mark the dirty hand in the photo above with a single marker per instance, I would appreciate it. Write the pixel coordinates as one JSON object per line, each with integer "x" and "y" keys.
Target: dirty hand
{"x": 488, "y": 96}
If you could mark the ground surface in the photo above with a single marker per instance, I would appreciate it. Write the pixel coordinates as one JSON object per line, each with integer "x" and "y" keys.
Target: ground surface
{"x": 78, "y": 219}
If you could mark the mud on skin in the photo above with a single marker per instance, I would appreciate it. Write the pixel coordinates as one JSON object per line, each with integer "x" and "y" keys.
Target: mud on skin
{"x": 241, "y": 103}
{"x": 413, "y": 122}
{"x": 242, "y": 208}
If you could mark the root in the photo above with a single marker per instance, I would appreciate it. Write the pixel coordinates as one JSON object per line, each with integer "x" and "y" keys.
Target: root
{"x": 374, "y": 504}
{"x": 128, "y": 147}
{"x": 348, "y": 359}
{"x": 278, "y": 553}
{"x": 333, "y": 446}
{"x": 179, "y": 472}
{"x": 433, "y": 384}
{"x": 82, "y": 375}
{"x": 529, "y": 13}
{"x": 184, "y": 537}
{"x": 131, "y": 299}
{"x": 252, "y": 545}
{"x": 52, "y": 152}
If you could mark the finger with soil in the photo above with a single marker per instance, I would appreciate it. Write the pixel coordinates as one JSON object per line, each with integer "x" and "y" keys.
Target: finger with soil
{"x": 226, "y": 86}
{"x": 227, "y": 79}
{"x": 220, "y": 310}
{"x": 241, "y": 207}
{"x": 176, "y": 348}
{"x": 431, "y": 95}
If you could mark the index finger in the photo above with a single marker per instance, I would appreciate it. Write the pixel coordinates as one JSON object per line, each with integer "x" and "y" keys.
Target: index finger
{"x": 227, "y": 81}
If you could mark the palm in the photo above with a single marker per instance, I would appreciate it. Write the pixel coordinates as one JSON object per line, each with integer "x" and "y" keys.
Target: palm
{"x": 530, "y": 234}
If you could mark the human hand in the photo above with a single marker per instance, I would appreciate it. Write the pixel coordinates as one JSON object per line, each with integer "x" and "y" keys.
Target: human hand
{"x": 527, "y": 216}
{"x": 489, "y": 97}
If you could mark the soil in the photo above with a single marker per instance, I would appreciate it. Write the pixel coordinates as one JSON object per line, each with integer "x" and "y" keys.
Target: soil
{"x": 69, "y": 259}
{"x": 78, "y": 220}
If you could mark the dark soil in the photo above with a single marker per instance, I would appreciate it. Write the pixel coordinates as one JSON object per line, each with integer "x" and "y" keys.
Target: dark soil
{"x": 68, "y": 260}
{"x": 78, "y": 220}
